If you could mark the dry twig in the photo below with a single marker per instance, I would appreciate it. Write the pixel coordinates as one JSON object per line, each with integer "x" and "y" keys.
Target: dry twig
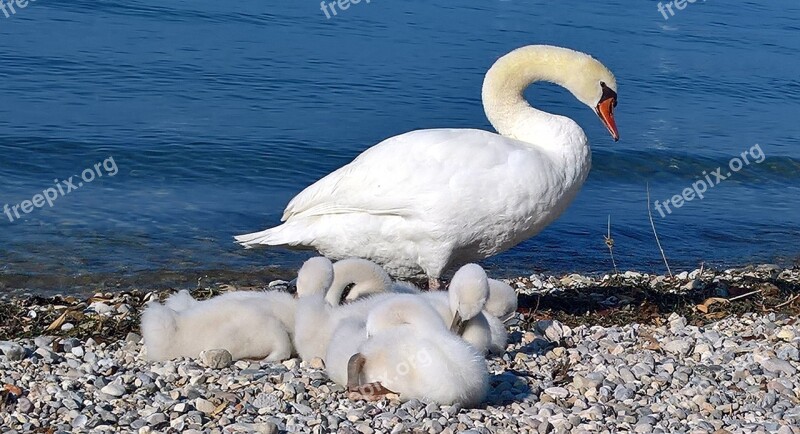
{"x": 788, "y": 302}
{"x": 610, "y": 244}
{"x": 745, "y": 295}
{"x": 653, "y": 225}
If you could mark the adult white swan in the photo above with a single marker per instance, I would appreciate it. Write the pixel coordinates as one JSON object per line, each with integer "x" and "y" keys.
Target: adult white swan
{"x": 427, "y": 200}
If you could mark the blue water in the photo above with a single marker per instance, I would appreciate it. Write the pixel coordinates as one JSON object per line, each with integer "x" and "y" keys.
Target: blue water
{"x": 216, "y": 113}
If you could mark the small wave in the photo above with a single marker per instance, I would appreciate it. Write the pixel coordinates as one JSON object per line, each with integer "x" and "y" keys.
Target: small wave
{"x": 665, "y": 165}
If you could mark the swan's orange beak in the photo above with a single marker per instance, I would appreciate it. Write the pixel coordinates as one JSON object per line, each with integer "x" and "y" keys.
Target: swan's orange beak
{"x": 605, "y": 109}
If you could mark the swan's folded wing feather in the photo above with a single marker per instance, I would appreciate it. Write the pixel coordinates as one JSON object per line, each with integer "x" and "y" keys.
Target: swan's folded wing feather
{"x": 347, "y": 190}
{"x": 390, "y": 178}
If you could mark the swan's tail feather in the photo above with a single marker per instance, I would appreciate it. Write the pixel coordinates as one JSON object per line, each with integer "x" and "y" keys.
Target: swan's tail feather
{"x": 159, "y": 327}
{"x": 285, "y": 234}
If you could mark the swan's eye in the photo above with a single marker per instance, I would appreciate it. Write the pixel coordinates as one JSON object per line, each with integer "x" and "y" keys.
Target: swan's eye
{"x": 608, "y": 93}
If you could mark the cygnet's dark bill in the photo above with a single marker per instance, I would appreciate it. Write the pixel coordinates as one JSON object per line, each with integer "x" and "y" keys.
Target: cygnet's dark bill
{"x": 458, "y": 325}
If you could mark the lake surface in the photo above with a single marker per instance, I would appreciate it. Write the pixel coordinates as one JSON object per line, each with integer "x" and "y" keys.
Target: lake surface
{"x": 214, "y": 114}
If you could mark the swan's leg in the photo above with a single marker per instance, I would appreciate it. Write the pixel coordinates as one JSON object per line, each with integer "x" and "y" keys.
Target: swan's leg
{"x": 434, "y": 284}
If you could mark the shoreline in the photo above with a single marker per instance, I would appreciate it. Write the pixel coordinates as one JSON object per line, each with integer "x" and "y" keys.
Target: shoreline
{"x": 635, "y": 352}
{"x": 574, "y": 299}
{"x": 85, "y": 282}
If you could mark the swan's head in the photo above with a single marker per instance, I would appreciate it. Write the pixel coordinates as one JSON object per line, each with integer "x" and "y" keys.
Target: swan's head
{"x": 586, "y": 78}
{"x": 502, "y": 300}
{"x": 592, "y": 84}
{"x": 355, "y": 278}
{"x": 468, "y": 293}
{"x": 605, "y": 104}
{"x": 404, "y": 310}
{"x": 314, "y": 277}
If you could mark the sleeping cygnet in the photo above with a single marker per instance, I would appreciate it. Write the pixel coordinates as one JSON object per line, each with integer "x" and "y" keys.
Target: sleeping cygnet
{"x": 356, "y": 278}
{"x": 409, "y": 351}
{"x": 500, "y": 306}
{"x": 249, "y": 324}
{"x": 462, "y": 306}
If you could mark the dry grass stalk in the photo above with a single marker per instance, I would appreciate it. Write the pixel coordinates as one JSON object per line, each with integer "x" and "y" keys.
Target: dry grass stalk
{"x": 610, "y": 245}
{"x": 653, "y": 225}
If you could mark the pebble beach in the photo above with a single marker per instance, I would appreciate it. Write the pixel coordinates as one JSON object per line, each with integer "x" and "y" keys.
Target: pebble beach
{"x": 701, "y": 352}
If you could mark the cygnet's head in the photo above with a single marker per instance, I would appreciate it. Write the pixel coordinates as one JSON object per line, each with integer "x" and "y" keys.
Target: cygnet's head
{"x": 314, "y": 277}
{"x": 468, "y": 293}
{"x": 404, "y": 310}
{"x": 356, "y": 277}
{"x": 502, "y": 300}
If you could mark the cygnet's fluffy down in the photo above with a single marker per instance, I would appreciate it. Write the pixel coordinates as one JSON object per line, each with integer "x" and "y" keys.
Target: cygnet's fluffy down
{"x": 502, "y": 301}
{"x": 500, "y": 306}
{"x": 312, "y": 330}
{"x": 321, "y": 287}
{"x": 356, "y": 278}
{"x": 476, "y": 331}
{"x": 180, "y": 301}
{"x": 276, "y": 303}
{"x": 462, "y": 305}
{"x": 249, "y": 325}
{"x": 410, "y": 351}
{"x": 499, "y": 335}
{"x": 346, "y": 340}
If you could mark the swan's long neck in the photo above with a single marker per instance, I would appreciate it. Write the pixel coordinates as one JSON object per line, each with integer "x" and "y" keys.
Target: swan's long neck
{"x": 512, "y": 116}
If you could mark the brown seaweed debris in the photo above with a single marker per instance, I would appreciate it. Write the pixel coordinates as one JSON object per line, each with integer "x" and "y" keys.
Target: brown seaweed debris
{"x": 637, "y": 298}
{"x": 103, "y": 317}
{"x": 702, "y": 297}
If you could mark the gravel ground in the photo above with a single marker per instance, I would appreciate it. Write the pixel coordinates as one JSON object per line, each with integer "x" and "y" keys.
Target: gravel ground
{"x": 670, "y": 373}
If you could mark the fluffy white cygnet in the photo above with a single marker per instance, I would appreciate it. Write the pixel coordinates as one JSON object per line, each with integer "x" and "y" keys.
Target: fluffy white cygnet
{"x": 312, "y": 331}
{"x": 410, "y": 351}
{"x": 347, "y": 338}
{"x": 321, "y": 286}
{"x": 356, "y": 278}
{"x": 248, "y": 325}
{"x": 500, "y": 306}
{"x": 180, "y": 301}
{"x": 462, "y": 306}
{"x": 502, "y": 301}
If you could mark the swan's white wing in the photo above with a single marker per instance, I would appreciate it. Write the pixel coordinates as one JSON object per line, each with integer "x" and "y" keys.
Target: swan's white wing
{"x": 395, "y": 176}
